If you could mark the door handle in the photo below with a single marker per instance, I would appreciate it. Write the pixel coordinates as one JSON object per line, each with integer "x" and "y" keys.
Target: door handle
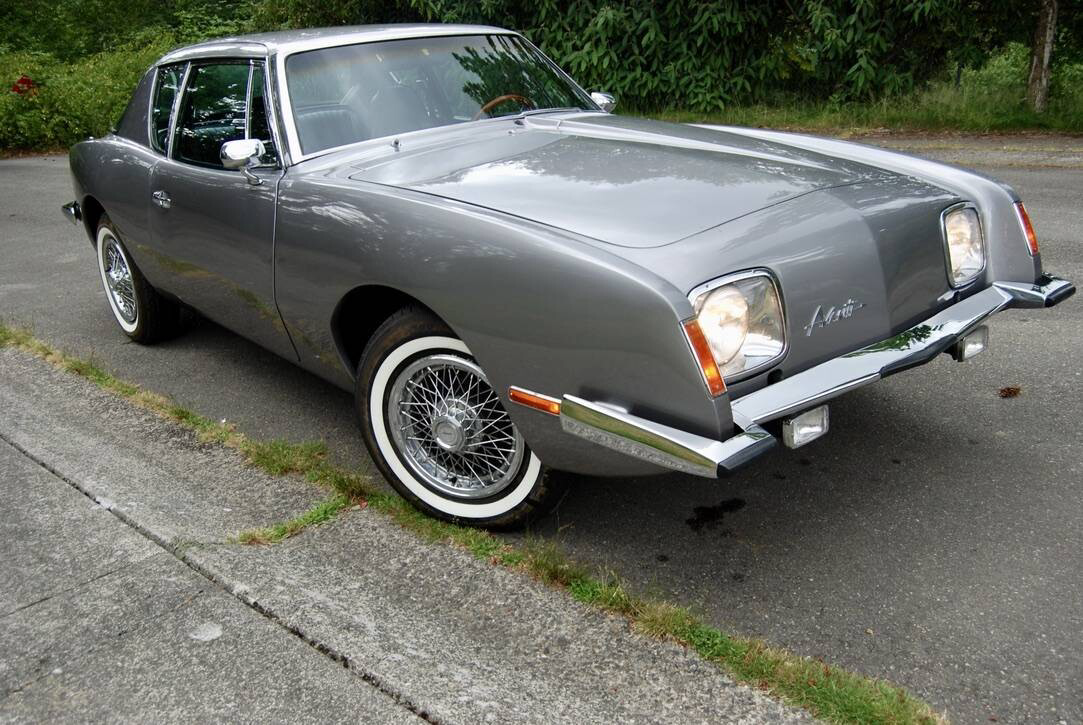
{"x": 161, "y": 199}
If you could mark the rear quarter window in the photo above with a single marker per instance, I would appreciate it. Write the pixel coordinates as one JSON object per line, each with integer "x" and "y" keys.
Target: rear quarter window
{"x": 166, "y": 86}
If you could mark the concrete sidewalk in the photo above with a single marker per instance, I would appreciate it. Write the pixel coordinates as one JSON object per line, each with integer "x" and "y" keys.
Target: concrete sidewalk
{"x": 123, "y": 598}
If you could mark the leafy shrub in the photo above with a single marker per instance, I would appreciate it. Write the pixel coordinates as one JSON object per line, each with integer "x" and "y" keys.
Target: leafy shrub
{"x": 71, "y": 101}
{"x": 697, "y": 54}
{"x": 823, "y": 62}
{"x": 74, "y": 29}
{"x": 991, "y": 97}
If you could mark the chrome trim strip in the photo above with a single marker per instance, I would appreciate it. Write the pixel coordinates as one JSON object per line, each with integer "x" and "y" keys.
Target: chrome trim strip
{"x": 657, "y": 443}
{"x": 1046, "y": 292}
{"x": 248, "y": 103}
{"x": 182, "y": 90}
{"x": 809, "y": 401}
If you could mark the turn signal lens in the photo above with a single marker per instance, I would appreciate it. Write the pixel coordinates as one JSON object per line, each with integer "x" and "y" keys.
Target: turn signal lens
{"x": 1028, "y": 228}
{"x": 702, "y": 351}
{"x": 534, "y": 400}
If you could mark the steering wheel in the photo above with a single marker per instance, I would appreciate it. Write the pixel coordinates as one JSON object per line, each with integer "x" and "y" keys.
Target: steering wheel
{"x": 500, "y": 99}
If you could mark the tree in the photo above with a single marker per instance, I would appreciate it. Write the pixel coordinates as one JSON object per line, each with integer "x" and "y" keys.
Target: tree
{"x": 1040, "y": 52}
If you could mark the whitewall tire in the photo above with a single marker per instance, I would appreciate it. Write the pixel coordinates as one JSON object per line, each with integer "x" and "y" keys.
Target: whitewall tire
{"x": 140, "y": 311}
{"x": 439, "y": 433}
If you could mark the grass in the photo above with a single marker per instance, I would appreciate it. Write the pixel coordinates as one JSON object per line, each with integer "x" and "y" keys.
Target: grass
{"x": 318, "y": 514}
{"x": 989, "y": 99}
{"x": 830, "y": 693}
{"x": 918, "y": 114}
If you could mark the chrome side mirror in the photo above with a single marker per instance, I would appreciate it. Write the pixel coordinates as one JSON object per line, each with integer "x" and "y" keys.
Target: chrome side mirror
{"x": 243, "y": 154}
{"x": 606, "y": 101}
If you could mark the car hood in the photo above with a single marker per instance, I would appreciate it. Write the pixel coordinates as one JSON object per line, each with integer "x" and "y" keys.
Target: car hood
{"x": 625, "y": 181}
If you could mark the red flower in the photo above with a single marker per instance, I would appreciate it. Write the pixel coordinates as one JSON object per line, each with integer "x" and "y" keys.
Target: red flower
{"x": 24, "y": 85}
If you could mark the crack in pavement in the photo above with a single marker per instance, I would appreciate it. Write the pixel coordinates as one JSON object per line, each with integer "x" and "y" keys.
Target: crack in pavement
{"x": 8, "y": 693}
{"x": 74, "y": 587}
{"x": 179, "y": 551}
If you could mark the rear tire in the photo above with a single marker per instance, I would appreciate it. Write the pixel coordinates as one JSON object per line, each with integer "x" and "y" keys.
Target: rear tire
{"x": 438, "y": 432}
{"x": 143, "y": 314}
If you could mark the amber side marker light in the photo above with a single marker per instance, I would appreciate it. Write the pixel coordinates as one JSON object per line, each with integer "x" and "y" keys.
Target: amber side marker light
{"x": 702, "y": 351}
{"x": 1028, "y": 228}
{"x": 534, "y": 400}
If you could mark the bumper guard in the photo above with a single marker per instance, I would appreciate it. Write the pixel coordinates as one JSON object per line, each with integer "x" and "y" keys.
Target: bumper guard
{"x": 72, "y": 212}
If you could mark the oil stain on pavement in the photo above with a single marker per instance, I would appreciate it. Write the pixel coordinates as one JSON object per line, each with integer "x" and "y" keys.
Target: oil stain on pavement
{"x": 710, "y": 517}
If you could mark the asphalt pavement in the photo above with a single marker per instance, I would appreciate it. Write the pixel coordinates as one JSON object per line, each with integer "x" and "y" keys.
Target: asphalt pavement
{"x": 934, "y": 537}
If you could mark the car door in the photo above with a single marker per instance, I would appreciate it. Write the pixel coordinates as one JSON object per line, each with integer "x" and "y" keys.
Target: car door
{"x": 213, "y": 228}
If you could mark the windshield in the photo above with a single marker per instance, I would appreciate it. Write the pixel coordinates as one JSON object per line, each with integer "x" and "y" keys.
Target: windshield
{"x": 356, "y": 92}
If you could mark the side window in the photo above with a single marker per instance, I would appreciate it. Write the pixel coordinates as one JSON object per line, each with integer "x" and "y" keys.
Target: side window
{"x": 166, "y": 86}
{"x": 212, "y": 112}
{"x": 257, "y": 118}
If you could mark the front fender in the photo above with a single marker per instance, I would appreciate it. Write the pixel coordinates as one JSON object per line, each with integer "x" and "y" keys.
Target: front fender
{"x": 538, "y": 308}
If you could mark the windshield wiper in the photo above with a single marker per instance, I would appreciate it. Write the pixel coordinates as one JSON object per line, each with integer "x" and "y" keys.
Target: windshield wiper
{"x": 535, "y": 111}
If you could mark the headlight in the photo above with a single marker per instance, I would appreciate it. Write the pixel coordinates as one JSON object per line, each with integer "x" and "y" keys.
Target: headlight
{"x": 741, "y": 319}
{"x": 965, "y": 246}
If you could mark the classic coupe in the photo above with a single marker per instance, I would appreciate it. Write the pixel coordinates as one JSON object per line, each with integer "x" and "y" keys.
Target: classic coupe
{"x": 514, "y": 281}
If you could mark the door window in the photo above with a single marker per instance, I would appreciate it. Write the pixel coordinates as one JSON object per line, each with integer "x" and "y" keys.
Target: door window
{"x": 212, "y": 112}
{"x": 166, "y": 86}
{"x": 223, "y": 102}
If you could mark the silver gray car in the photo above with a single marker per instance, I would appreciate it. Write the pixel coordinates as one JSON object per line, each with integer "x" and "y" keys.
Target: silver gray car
{"x": 514, "y": 281}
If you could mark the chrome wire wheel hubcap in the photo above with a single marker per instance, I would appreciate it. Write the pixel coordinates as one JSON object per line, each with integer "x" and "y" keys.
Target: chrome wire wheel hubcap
{"x": 118, "y": 280}
{"x": 449, "y": 426}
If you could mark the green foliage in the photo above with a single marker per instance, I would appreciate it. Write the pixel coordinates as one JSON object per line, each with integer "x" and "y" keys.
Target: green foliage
{"x": 708, "y": 55}
{"x": 72, "y": 101}
{"x": 74, "y": 29}
{"x": 817, "y": 63}
{"x": 279, "y": 14}
{"x": 86, "y": 56}
{"x": 860, "y": 49}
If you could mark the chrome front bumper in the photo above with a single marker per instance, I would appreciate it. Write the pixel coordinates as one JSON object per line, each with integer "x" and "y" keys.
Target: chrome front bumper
{"x": 682, "y": 451}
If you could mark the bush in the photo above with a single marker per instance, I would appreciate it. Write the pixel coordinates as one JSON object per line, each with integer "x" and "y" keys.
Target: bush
{"x": 70, "y": 101}
{"x": 991, "y": 97}
{"x": 813, "y": 63}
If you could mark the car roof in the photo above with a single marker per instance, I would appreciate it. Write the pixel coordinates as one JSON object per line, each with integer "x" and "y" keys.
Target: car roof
{"x": 289, "y": 41}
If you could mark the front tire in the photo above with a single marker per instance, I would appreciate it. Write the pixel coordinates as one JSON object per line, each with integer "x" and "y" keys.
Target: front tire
{"x": 438, "y": 432}
{"x": 143, "y": 314}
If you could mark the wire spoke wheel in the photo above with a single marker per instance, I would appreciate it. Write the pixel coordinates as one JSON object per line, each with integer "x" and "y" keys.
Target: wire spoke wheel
{"x": 450, "y": 428}
{"x": 118, "y": 280}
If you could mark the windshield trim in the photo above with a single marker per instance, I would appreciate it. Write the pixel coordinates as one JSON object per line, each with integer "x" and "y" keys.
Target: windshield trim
{"x": 286, "y": 106}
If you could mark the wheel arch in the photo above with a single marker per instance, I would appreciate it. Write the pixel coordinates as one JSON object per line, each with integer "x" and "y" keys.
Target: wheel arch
{"x": 360, "y": 311}
{"x": 92, "y": 213}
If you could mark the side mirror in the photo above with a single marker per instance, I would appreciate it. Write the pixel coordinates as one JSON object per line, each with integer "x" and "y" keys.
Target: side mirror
{"x": 243, "y": 154}
{"x": 606, "y": 101}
